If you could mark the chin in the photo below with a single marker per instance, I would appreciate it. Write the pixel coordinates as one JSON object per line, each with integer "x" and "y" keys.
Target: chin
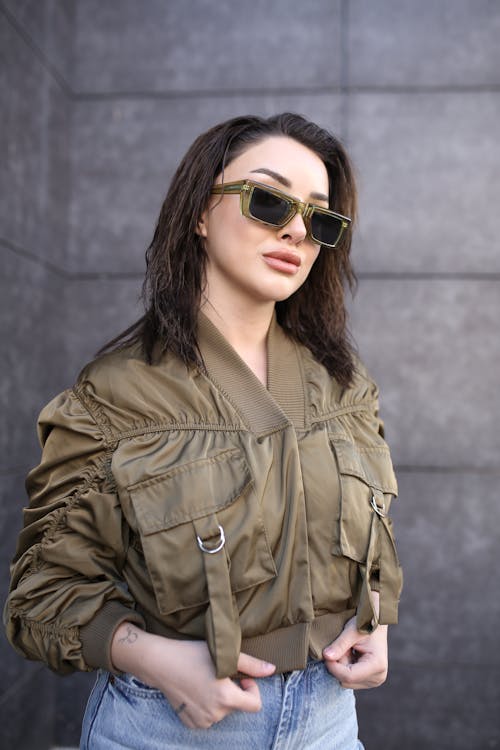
{"x": 283, "y": 294}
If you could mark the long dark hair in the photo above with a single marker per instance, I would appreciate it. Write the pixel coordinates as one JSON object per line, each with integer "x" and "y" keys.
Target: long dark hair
{"x": 314, "y": 315}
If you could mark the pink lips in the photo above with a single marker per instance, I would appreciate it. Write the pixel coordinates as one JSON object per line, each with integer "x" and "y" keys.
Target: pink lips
{"x": 283, "y": 260}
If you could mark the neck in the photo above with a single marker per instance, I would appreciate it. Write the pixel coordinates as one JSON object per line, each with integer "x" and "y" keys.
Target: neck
{"x": 246, "y": 330}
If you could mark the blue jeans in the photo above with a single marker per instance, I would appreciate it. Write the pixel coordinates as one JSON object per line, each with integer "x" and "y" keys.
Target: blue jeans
{"x": 306, "y": 710}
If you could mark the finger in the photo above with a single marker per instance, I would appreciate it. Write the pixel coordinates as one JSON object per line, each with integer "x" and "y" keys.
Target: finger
{"x": 254, "y": 667}
{"x": 246, "y": 683}
{"x": 358, "y": 675}
{"x": 341, "y": 645}
{"x": 248, "y": 698}
{"x": 346, "y": 658}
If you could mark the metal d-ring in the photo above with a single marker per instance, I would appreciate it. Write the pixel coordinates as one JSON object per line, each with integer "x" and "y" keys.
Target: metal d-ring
{"x": 377, "y": 508}
{"x": 220, "y": 545}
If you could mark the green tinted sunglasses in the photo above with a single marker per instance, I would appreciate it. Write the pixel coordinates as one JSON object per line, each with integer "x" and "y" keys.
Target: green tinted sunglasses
{"x": 270, "y": 206}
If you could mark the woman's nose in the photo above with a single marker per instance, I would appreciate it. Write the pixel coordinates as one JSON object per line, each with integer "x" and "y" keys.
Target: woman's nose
{"x": 295, "y": 230}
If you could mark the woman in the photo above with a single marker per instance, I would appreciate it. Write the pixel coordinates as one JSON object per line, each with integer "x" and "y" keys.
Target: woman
{"x": 208, "y": 525}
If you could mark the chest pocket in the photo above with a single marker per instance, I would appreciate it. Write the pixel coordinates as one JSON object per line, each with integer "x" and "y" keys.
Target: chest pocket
{"x": 204, "y": 511}
{"x": 368, "y": 485}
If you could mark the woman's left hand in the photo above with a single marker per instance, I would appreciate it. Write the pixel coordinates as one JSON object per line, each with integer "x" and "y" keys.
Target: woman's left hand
{"x": 356, "y": 660}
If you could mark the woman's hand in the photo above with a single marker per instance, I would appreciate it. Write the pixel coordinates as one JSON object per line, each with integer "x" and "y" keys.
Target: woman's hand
{"x": 185, "y": 674}
{"x": 356, "y": 660}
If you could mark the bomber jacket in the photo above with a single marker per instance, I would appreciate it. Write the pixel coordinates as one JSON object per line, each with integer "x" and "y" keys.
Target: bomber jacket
{"x": 203, "y": 505}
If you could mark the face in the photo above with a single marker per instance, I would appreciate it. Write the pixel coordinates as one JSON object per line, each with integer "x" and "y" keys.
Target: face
{"x": 253, "y": 263}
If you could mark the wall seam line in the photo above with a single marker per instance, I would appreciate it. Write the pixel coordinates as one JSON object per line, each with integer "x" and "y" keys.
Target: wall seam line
{"x": 38, "y": 52}
{"x": 93, "y": 96}
{"x": 69, "y": 275}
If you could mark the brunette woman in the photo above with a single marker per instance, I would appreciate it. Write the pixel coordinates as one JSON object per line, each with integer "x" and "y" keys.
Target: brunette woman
{"x": 208, "y": 525}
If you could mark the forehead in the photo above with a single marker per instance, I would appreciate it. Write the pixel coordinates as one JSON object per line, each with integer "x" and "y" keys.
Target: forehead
{"x": 302, "y": 167}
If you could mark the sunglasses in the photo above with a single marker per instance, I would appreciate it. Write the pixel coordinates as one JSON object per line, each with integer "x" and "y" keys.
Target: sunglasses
{"x": 270, "y": 206}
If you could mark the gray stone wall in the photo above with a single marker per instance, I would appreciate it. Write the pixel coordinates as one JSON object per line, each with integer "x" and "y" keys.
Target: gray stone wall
{"x": 100, "y": 101}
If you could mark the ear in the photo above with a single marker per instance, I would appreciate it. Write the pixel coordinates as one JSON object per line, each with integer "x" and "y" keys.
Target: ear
{"x": 201, "y": 227}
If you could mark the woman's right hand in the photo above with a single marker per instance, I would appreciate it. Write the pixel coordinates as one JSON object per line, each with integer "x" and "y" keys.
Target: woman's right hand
{"x": 185, "y": 674}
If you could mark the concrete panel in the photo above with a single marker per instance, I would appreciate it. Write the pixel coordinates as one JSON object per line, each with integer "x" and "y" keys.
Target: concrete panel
{"x": 26, "y": 688}
{"x": 403, "y": 43}
{"x": 124, "y": 155}
{"x": 448, "y": 532}
{"x": 97, "y": 311}
{"x": 429, "y": 174}
{"x": 49, "y": 24}
{"x": 33, "y": 322}
{"x": 435, "y": 706}
{"x": 15, "y": 669}
{"x": 72, "y": 694}
{"x": 34, "y": 182}
{"x": 27, "y": 711}
{"x": 433, "y": 346}
{"x": 202, "y": 45}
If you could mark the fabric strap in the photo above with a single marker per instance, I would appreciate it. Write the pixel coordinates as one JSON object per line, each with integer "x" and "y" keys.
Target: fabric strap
{"x": 223, "y": 631}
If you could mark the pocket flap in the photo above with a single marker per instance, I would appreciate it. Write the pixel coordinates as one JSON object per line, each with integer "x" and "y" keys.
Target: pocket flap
{"x": 372, "y": 465}
{"x": 190, "y": 491}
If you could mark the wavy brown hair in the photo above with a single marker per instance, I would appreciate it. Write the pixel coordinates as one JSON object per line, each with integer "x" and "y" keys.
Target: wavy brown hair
{"x": 314, "y": 315}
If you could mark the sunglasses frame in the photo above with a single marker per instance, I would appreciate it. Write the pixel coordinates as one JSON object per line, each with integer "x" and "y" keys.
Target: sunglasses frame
{"x": 245, "y": 189}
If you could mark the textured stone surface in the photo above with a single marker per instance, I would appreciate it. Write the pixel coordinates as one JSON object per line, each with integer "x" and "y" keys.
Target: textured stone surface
{"x": 34, "y": 152}
{"x": 403, "y": 43}
{"x": 124, "y": 154}
{"x": 437, "y": 706}
{"x": 33, "y": 327}
{"x": 202, "y": 45}
{"x": 448, "y": 531}
{"x": 12, "y": 500}
{"x": 27, "y": 712}
{"x": 433, "y": 347}
{"x": 429, "y": 176}
{"x": 71, "y": 695}
{"x": 443, "y": 686}
{"x": 48, "y": 27}
{"x": 430, "y": 186}
{"x": 97, "y": 312}
{"x": 26, "y": 688}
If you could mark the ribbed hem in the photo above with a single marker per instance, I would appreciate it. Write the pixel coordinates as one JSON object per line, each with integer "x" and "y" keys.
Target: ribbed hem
{"x": 289, "y": 648}
{"x": 325, "y": 629}
{"x": 96, "y": 635}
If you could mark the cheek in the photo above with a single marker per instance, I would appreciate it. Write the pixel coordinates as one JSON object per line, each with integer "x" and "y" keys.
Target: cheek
{"x": 226, "y": 224}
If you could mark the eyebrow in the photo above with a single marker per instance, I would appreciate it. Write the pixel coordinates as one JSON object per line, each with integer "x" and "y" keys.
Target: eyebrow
{"x": 286, "y": 183}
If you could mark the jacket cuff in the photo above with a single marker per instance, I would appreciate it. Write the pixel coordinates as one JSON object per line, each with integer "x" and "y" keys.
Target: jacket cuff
{"x": 96, "y": 636}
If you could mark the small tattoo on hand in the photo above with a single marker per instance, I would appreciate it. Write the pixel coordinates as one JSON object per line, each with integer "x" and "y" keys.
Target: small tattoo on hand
{"x": 131, "y": 636}
{"x": 180, "y": 709}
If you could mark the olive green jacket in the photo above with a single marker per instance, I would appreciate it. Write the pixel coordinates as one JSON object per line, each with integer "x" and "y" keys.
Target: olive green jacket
{"x": 201, "y": 505}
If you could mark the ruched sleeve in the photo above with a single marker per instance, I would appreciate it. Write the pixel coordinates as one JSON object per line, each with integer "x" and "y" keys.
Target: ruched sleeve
{"x": 67, "y": 596}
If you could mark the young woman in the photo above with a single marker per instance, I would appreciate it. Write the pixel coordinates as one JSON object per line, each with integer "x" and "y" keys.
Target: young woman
{"x": 208, "y": 526}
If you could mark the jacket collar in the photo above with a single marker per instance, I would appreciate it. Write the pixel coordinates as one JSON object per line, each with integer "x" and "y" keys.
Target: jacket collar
{"x": 262, "y": 409}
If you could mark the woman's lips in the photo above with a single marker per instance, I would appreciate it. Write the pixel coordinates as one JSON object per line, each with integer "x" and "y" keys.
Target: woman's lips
{"x": 283, "y": 260}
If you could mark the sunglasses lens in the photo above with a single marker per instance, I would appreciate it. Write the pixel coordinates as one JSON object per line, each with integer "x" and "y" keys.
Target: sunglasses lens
{"x": 268, "y": 207}
{"x": 325, "y": 229}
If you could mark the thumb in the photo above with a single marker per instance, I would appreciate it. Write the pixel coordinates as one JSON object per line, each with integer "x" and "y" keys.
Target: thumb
{"x": 254, "y": 667}
{"x": 342, "y": 644}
